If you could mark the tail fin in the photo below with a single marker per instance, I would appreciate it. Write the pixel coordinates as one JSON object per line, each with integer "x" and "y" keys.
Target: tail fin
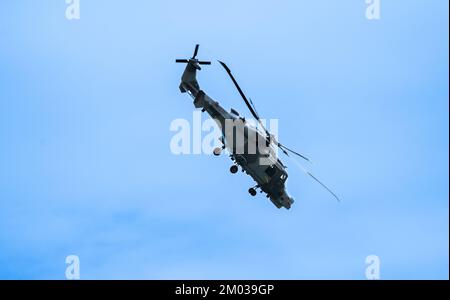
{"x": 189, "y": 79}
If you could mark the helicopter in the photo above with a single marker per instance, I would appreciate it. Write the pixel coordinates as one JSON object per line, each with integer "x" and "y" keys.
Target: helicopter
{"x": 250, "y": 146}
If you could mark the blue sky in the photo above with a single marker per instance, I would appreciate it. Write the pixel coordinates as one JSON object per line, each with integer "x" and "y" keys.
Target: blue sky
{"x": 86, "y": 168}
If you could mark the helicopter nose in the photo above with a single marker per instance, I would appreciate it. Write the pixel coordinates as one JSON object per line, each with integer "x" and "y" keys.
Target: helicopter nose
{"x": 286, "y": 201}
{"x": 291, "y": 200}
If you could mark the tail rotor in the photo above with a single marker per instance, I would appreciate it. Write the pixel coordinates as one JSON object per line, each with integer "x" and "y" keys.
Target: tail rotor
{"x": 193, "y": 59}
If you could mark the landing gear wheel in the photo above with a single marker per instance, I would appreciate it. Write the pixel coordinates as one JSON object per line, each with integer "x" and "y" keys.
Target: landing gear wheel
{"x": 217, "y": 151}
{"x": 252, "y": 191}
{"x": 234, "y": 169}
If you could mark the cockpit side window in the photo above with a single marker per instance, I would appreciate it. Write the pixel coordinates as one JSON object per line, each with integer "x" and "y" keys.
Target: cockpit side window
{"x": 270, "y": 171}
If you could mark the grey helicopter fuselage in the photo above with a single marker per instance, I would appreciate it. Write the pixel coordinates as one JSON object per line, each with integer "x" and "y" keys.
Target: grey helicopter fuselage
{"x": 263, "y": 166}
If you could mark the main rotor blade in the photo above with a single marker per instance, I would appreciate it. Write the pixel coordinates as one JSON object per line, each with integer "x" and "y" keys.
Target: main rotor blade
{"x": 204, "y": 62}
{"x": 253, "y": 105}
{"x": 181, "y": 60}
{"x": 316, "y": 179}
{"x": 252, "y": 109}
{"x": 283, "y": 147}
{"x": 255, "y": 115}
{"x": 323, "y": 185}
{"x": 195, "y": 51}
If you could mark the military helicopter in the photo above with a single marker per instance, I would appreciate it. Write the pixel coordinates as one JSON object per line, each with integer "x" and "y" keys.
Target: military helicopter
{"x": 262, "y": 164}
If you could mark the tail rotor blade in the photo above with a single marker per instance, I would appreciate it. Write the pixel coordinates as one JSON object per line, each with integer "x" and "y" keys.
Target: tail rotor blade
{"x": 193, "y": 59}
{"x": 195, "y": 51}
